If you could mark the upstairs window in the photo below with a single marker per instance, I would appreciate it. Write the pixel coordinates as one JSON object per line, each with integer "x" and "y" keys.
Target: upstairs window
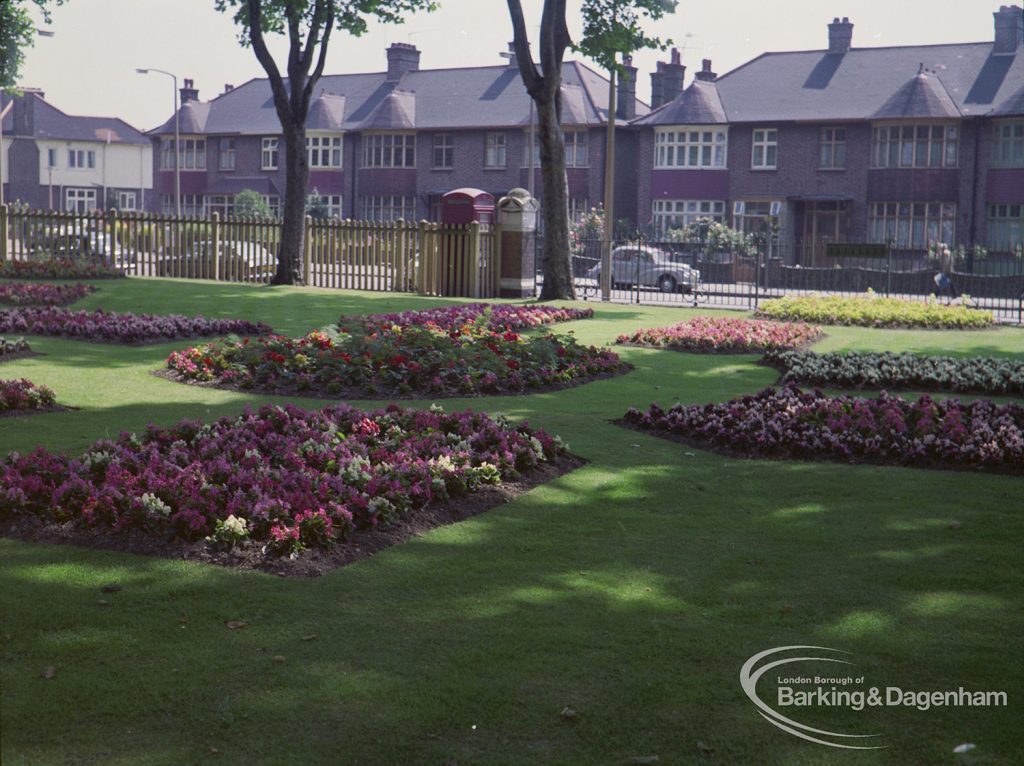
{"x": 1008, "y": 145}
{"x": 269, "y": 153}
{"x": 324, "y": 151}
{"x": 51, "y": 158}
{"x": 765, "y": 152}
{"x": 191, "y": 154}
{"x": 444, "y": 151}
{"x": 700, "y": 146}
{"x": 389, "y": 150}
{"x": 226, "y": 154}
{"x": 80, "y": 158}
{"x": 915, "y": 146}
{"x": 576, "y": 149}
{"x": 832, "y": 153}
{"x": 495, "y": 150}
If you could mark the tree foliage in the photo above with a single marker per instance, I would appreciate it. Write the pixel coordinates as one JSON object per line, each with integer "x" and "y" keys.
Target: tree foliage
{"x": 614, "y": 27}
{"x": 18, "y": 32}
{"x": 250, "y": 204}
{"x": 308, "y": 25}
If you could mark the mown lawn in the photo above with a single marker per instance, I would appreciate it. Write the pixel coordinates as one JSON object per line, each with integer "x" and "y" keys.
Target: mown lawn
{"x": 631, "y": 590}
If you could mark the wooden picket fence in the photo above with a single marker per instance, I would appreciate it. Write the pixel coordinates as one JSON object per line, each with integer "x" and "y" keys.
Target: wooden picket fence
{"x": 426, "y": 258}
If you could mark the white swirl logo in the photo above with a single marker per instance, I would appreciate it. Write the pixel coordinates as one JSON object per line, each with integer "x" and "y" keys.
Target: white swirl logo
{"x": 748, "y": 680}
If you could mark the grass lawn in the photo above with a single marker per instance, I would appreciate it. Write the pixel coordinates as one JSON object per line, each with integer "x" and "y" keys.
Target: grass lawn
{"x": 631, "y": 590}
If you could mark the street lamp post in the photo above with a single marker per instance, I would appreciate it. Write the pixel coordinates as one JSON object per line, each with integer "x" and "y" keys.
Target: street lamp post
{"x": 177, "y": 140}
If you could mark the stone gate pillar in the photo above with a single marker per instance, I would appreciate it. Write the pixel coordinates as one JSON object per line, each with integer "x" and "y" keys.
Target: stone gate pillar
{"x": 517, "y": 214}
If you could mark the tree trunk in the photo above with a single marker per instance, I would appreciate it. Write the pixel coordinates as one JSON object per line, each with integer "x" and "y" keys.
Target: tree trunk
{"x": 293, "y": 219}
{"x": 554, "y": 207}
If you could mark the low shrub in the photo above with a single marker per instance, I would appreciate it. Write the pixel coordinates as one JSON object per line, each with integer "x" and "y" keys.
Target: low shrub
{"x": 28, "y": 294}
{"x": 11, "y": 346}
{"x": 282, "y": 475}
{"x": 985, "y": 375}
{"x": 24, "y": 396}
{"x": 789, "y": 423}
{"x": 725, "y": 335}
{"x": 397, "y": 360}
{"x": 58, "y": 268}
{"x": 872, "y": 310}
{"x": 499, "y": 317}
{"x": 110, "y": 327}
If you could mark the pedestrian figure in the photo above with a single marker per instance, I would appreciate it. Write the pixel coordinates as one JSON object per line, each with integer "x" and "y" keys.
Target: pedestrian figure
{"x": 944, "y": 279}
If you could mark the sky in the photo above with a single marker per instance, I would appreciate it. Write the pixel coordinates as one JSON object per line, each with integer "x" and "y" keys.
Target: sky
{"x": 88, "y": 66}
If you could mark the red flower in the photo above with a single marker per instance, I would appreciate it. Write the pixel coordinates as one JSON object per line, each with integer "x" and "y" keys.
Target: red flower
{"x": 512, "y": 364}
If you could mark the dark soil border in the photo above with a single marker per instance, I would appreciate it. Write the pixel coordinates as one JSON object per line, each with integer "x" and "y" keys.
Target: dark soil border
{"x": 706, "y": 446}
{"x": 347, "y": 394}
{"x": 725, "y": 352}
{"x": 28, "y": 354}
{"x": 310, "y": 563}
{"x": 39, "y": 411}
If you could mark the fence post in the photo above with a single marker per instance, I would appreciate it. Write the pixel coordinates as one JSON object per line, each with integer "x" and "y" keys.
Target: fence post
{"x": 307, "y": 251}
{"x": 215, "y": 244}
{"x": 474, "y": 259}
{"x": 3, "y": 233}
{"x": 496, "y": 260}
{"x": 111, "y": 244}
{"x": 888, "y": 272}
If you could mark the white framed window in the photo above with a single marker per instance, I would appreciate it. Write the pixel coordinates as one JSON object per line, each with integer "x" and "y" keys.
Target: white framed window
{"x": 126, "y": 200}
{"x": 1005, "y": 227}
{"x": 274, "y": 203}
{"x": 191, "y": 154}
{"x": 578, "y": 207}
{"x": 389, "y": 150}
{"x": 444, "y": 151}
{"x": 388, "y": 207}
{"x": 911, "y": 224}
{"x": 526, "y": 149}
{"x": 915, "y": 146}
{"x": 832, "y": 151}
{"x": 324, "y": 151}
{"x": 80, "y": 158}
{"x": 495, "y": 146}
{"x": 750, "y": 216}
{"x": 331, "y": 204}
{"x": 698, "y": 146}
{"x": 226, "y": 154}
{"x": 191, "y": 204}
{"x": 269, "y": 153}
{"x": 576, "y": 154}
{"x": 79, "y": 200}
{"x": 765, "y": 149}
{"x": 223, "y": 204}
{"x": 1008, "y": 144}
{"x": 677, "y": 213}
{"x": 51, "y": 158}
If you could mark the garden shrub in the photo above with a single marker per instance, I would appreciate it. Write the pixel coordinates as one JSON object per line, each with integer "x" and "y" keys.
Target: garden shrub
{"x": 725, "y": 335}
{"x": 24, "y": 396}
{"x": 11, "y": 346}
{"x": 58, "y": 268}
{"x": 499, "y": 317}
{"x": 789, "y": 423}
{"x": 986, "y": 375}
{"x": 28, "y": 294}
{"x": 872, "y": 310}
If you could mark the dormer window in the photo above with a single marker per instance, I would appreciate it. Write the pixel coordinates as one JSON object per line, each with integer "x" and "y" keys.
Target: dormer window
{"x": 699, "y": 146}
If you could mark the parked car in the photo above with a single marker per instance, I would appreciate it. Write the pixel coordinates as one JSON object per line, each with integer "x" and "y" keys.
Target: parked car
{"x": 78, "y": 241}
{"x": 648, "y": 267}
{"x": 246, "y": 261}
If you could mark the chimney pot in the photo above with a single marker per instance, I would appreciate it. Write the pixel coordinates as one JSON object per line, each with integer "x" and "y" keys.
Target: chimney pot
{"x": 402, "y": 58}
{"x": 189, "y": 92}
{"x": 667, "y": 81}
{"x": 1009, "y": 30}
{"x": 840, "y": 35}
{"x": 625, "y": 92}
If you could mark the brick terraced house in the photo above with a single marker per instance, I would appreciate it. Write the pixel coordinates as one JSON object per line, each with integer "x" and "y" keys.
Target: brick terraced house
{"x": 909, "y": 144}
{"x": 387, "y": 145}
{"x": 57, "y": 161}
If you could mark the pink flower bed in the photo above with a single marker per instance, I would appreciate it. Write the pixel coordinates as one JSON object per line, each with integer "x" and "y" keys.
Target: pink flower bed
{"x": 725, "y": 335}
{"x": 789, "y": 423}
{"x": 110, "y": 327}
{"x": 497, "y": 317}
{"x": 58, "y": 268}
{"x": 282, "y": 475}
{"x": 24, "y": 396}
{"x": 29, "y": 294}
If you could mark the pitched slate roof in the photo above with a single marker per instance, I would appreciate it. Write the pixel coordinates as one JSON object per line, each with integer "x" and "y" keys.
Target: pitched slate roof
{"x": 699, "y": 104}
{"x": 817, "y": 85}
{"x": 447, "y": 99}
{"x": 327, "y": 112}
{"x": 51, "y": 123}
{"x": 921, "y": 96}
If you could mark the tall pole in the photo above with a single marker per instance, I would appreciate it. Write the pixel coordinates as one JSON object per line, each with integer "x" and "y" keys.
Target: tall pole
{"x": 3, "y": 152}
{"x": 609, "y": 194}
{"x": 533, "y": 145}
{"x": 177, "y": 140}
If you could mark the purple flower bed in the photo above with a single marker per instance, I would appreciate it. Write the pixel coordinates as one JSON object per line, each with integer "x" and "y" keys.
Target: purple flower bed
{"x": 24, "y": 396}
{"x": 790, "y": 423}
{"x": 285, "y": 476}
{"x": 58, "y": 268}
{"x": 29, "y": 294}
{"x": 729, "y": 335}
{"x": 110, "y": 327}
{"x": 495, "y": 317}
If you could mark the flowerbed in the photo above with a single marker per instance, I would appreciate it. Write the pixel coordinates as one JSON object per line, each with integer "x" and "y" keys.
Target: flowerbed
{"x": 13, "y": 346}
{"x": 281, "y": 477}
{"x": 17, "y": 396}
{"x": 728, "y": 335}
{"x": 986, "y": 375}
{"x": 497, "y": 317}
{"x": 872, "y": 310}
{"x": 57, "y": 268}
{"x": 789, "y": 423}
{"x": 395, "y": 360}
{"x": 110, "y": 327}
{"x": 28, "y": 294}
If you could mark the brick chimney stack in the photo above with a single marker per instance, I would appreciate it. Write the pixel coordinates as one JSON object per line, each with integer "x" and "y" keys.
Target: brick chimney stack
{"x": 667, "y": 81}
{"x": 625, "y": 93}
{"x": 840, "y": 35}
{"x": 1009, "y": 29}
{"x": 402, "y": 58}
{"x": 189, "y": 92}
{"x": 23, "y": 112}
{"x": 705, "y": 72}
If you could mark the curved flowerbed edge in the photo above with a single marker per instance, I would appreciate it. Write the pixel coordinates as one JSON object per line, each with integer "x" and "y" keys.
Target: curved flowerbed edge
{"x": 351, "y": 394}
{"x": 309, "y": 563}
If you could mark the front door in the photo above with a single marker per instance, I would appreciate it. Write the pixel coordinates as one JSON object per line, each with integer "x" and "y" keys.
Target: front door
{"x": 824, "y": 222}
